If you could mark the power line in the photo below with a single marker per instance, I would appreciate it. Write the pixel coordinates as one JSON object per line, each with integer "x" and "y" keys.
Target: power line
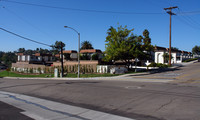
{"x": 188, "y": 20}
{"x": 189, "y": 13}
{"x": 25, "y": 37}
{"x": 13, "y": 13}
{"x": 187, "y": 23}
{"x": 75, "y": 9}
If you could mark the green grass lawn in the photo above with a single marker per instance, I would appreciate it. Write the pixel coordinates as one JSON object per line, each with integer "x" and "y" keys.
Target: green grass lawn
{"x": 12, "y": 74}
{"x": 69, "y": 75}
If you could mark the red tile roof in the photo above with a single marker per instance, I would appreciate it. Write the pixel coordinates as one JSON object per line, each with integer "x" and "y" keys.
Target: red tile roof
{"x": 38, "y": 54}
{"x": 20, "y": 54}
{"x": 90, "y": 51}
{"x": 69, "y": 51}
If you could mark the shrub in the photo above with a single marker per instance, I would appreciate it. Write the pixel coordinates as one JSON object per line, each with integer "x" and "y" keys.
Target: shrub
{"x": 31, "y": 70}
{"x": 152, "y": 65}
{"x": 160, "y": 65}
{"x": 39, "y": 70}
{"x": 95, "y": 56}
{"x": 189, "y": 60}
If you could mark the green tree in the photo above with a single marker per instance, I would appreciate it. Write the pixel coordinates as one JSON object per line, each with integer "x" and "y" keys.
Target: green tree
{"x": 146, "y": 45}
{"x": 29, "y": 52}
{"x": 43, "y": 51}
{"x": 86, "y": 45}
{"x": 84, "y": 56}
{"x": 95, "y": 56}
{"x": 1, "y": 54}
{"x": 166, "y": 57}
{"x": 67, "y": 56}
{"x": 174, "y": 48}
{"x": 196, "y": 50}
{"x": 21, "y": 50}
{"x": 9, "y": 58}
{"x": 56, "y": 47}
{"x": 122, "y": 45}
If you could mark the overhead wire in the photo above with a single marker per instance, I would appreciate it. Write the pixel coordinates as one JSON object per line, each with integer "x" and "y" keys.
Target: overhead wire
{"x": 188, "y": 20}
{"x": 76, "y": 9}
{"x": 190, "y": 13}
{"x": 22, "y": 19}
{"x": 25, "y": 37}
{"x": 188, "y": 17}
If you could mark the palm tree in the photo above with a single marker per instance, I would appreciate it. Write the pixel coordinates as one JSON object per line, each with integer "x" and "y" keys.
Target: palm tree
{"x": 86, "y": 45}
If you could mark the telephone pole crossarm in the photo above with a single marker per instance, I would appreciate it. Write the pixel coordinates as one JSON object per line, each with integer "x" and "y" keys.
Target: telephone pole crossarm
{"x": 170, "y": 8}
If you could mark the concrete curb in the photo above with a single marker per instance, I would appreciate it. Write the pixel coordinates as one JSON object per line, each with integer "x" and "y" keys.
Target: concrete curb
{"x": 127, "y": 79}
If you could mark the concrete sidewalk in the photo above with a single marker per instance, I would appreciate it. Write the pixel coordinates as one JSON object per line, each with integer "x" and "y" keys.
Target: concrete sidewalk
{"x": 41, "y": 109}
{"x": 117, "y": 78}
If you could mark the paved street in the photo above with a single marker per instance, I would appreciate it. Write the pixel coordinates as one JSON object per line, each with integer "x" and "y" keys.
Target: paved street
{"x": 8, "y": 112}
{"x": 176, "y": 99}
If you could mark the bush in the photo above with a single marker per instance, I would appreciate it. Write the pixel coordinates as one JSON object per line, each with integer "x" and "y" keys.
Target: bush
{"x": 31, "y": 70}
{"x": 189, "y": 60}
{"x": 152, "y": 65}
{"x": 160, "y": 65}
{"x": 95, "y": 56}
{"x": 84, "y": 57}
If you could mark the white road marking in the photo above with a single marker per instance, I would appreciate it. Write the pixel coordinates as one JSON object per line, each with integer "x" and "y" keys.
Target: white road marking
{"x": 133, "y": 87}
{"x": 41, "y": 109}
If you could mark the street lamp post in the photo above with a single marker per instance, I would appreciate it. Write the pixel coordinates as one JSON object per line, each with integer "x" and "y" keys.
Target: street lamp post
{"x": 78, "y": 48}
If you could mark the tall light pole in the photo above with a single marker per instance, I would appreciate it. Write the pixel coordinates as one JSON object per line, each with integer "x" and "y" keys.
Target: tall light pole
{"x": 170, "y": 19}
{"x": 78, "y": 48}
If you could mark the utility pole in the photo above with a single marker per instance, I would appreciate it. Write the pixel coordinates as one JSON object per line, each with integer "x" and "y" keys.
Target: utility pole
{"x": 61, "y": 60}
{"x": 170, "y": 24}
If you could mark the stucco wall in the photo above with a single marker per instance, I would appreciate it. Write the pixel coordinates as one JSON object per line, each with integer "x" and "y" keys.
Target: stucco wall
{"x": 159, "y": 57}
{"x": 91, "y": 64}
{"x": 82, "y": 62}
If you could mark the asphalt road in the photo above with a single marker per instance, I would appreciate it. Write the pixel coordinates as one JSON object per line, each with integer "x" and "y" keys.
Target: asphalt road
{"x": 176, "y": 100}
{"x": 8, "y": 112}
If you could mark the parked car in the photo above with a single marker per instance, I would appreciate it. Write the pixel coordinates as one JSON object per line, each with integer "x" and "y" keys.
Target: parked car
{"x": 3, "y": 67}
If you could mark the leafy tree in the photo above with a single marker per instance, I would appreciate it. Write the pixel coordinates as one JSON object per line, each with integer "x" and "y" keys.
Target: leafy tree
{"x": 37, "y": 50}
{"x": 95, "y": 57}
{"x": 146, "y": 39}
{"x": 29, "y": 52}
{"x": 166, "y": 57}
{"x": 146, "y": 45}
{"x": 1, "y": 54}
{"x": 196, "y": 50}
{"x": 86, "y": 45}
{"x": 174, "y": 48}
{"x": 43, "y": 51}
{"x": 9, "y": 58}
{"x": 67, "y": 56}
{"x": 121, "y": 44}
{"x": 57, "y": 46}
{"x": 84, "y": 57}
{"x": 21, "y": 50}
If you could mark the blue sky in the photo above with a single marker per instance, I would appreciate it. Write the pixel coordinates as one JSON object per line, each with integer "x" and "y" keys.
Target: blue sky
{"x": 46, "y": 24}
